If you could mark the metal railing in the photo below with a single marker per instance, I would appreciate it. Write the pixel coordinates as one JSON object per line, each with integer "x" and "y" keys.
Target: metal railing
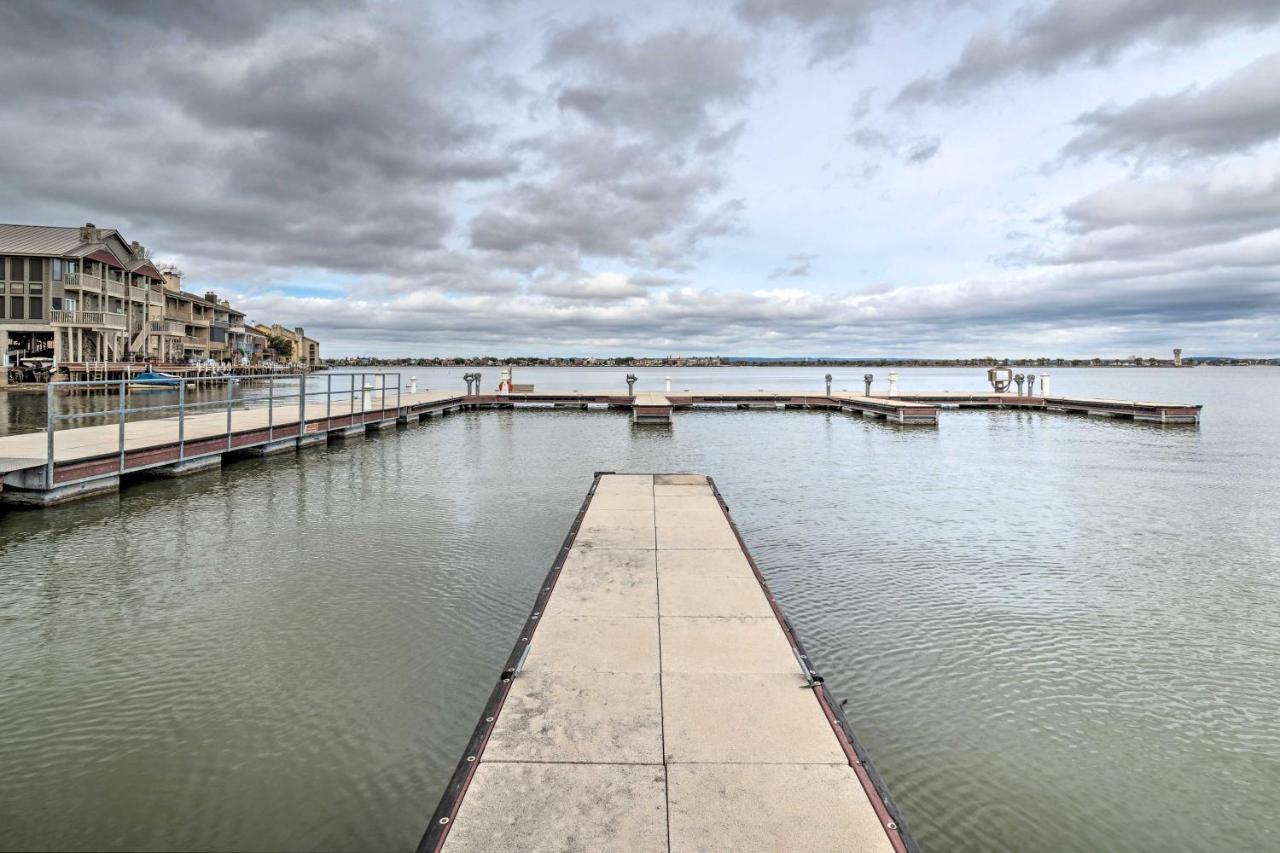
{"x": 359, "y": 394}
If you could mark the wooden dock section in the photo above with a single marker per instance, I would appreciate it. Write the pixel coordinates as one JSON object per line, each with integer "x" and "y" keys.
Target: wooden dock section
{"x": 658, "y": 699}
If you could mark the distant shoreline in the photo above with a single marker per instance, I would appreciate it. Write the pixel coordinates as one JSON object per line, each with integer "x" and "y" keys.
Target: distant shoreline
{"x": 774, "y": 365}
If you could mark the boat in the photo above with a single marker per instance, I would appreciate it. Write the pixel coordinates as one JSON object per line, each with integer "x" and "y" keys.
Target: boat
{"x": 153, "y": 379}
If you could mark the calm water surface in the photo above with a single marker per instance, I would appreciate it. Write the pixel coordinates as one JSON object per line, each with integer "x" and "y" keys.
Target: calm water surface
{"x": 1054, "y": 633}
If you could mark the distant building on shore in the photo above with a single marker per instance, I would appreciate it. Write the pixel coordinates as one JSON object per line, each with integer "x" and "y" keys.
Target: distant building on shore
{"x": 85, "y": 294}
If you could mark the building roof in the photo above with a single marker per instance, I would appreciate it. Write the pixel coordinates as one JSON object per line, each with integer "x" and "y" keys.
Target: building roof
{"x": 39, "y": 240}
{"x": 105, "y": 257}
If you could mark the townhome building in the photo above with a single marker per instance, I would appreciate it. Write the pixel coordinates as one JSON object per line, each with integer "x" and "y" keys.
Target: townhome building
{"x": 85, "y": 294}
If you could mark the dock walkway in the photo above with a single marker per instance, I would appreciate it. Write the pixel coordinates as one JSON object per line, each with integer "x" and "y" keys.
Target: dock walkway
{"x": 657, "y": 699}
{"x": 88, "y": 460}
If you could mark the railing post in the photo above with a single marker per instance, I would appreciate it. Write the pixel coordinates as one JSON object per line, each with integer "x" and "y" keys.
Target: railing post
{"x": 271, "y": 405}
{"x": 228, "y": 384}
{"x": 49, "y": 418}
{"x": 397, "y": 395}
{"x": 328, "y": 401}
{"x": 302, "y": 405}
{"x": 182, "y": 420}
{"x": 122, "y": 396}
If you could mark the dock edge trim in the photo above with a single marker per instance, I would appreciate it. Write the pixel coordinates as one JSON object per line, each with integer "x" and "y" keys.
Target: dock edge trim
{"x": 873, "y": 785}
{"x": 451, "y": 800}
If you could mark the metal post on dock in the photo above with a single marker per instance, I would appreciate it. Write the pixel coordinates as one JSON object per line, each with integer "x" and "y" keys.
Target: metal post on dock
{"x": 1031, "y": 384}
{"x": 48, "y": 471}
{"x": 121, "y": 409}
{"x": 893, "y": 382}
{"x": 413, "y": 385}
{"x": 828, "y": 384}
{"x": 328, "y": 400}
{"x": 228, "y": 386}
{"x": 668, "y": 384}
{"x": 631, "y": 384}
{"x": 1018, "y": 378}
{"x": 868, "y": 378}
{"x": 182, "y": 420}
{"x": 271, "y": 406}
{"x": 302, "y": 405}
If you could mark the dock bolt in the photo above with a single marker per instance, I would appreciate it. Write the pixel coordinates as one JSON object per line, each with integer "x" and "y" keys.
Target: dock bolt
{"x": 868, "y": 378}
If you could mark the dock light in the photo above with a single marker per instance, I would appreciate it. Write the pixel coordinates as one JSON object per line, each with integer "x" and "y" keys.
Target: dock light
{"x": 631, "y": 384}
{"x": 893, "y": 382}
{"x": 668, "y": 384}
{"x": 1019, "y": 379}
{"x": 868, "y": 378}
{"x": 366, "y": 397}
{"x": 413, "y": 385}
{"x": 1044, "y": 385}
{"x": 828, "y": 384}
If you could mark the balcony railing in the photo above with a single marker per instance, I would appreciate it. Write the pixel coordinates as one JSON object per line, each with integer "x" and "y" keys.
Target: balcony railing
{"x": 220, "y": 324}
{"x": 84, "y": 281}
{"x": 199, "y": 343}
{"x": 114, "y": 288}
{"x": 138, "y": 292}
{"x": 98, "y": 319}
{"x": 168, "y": 327}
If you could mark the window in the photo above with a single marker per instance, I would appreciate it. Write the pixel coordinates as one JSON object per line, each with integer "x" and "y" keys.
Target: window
{"x": 36, "y": 304}
{"x": 71, "y": 267}
{"x": 35, "y": 288}
{"x": 16, "y": 287}
{"x": 57, "y": 269}
{"x": 15, "y": 269}
{"x": 55, "y": 303}
{"x": 35, "y": 269}
{"x": 15, "y": 307}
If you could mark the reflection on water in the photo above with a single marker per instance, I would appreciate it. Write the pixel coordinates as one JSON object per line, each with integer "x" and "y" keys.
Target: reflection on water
{"x": 1054, "y": 633}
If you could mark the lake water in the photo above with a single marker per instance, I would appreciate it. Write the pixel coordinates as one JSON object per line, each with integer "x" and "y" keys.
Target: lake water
{"x": 1054, "y": 633}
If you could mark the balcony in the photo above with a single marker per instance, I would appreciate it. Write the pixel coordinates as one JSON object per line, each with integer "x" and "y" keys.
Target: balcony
{"x": 194, "y": 343}
{"x": 114, "y": 288}
{"x": 221, "y": 324}
{"x": 168, "y": 327}
{"x": 83, "y": 281}
{"x": 138, "y": 293}
{"x": 92, "y": 319}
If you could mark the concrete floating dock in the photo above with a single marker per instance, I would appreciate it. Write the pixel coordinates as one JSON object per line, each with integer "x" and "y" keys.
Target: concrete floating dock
{"x": 91, "y": 460}
{"x": 658, "y": 699}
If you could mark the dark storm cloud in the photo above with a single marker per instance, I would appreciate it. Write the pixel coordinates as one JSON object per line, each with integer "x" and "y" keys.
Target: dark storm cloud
{"x": 1230, "y": 116}
{"x": 1042, "y": 40}
{"x": 1142, "y": 219}
{"x": 249, "y": 136}
{"x": 634, "y": 166}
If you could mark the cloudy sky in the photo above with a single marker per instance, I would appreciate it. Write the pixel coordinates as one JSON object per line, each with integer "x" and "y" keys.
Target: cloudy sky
{"x": 799, "y": 177}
